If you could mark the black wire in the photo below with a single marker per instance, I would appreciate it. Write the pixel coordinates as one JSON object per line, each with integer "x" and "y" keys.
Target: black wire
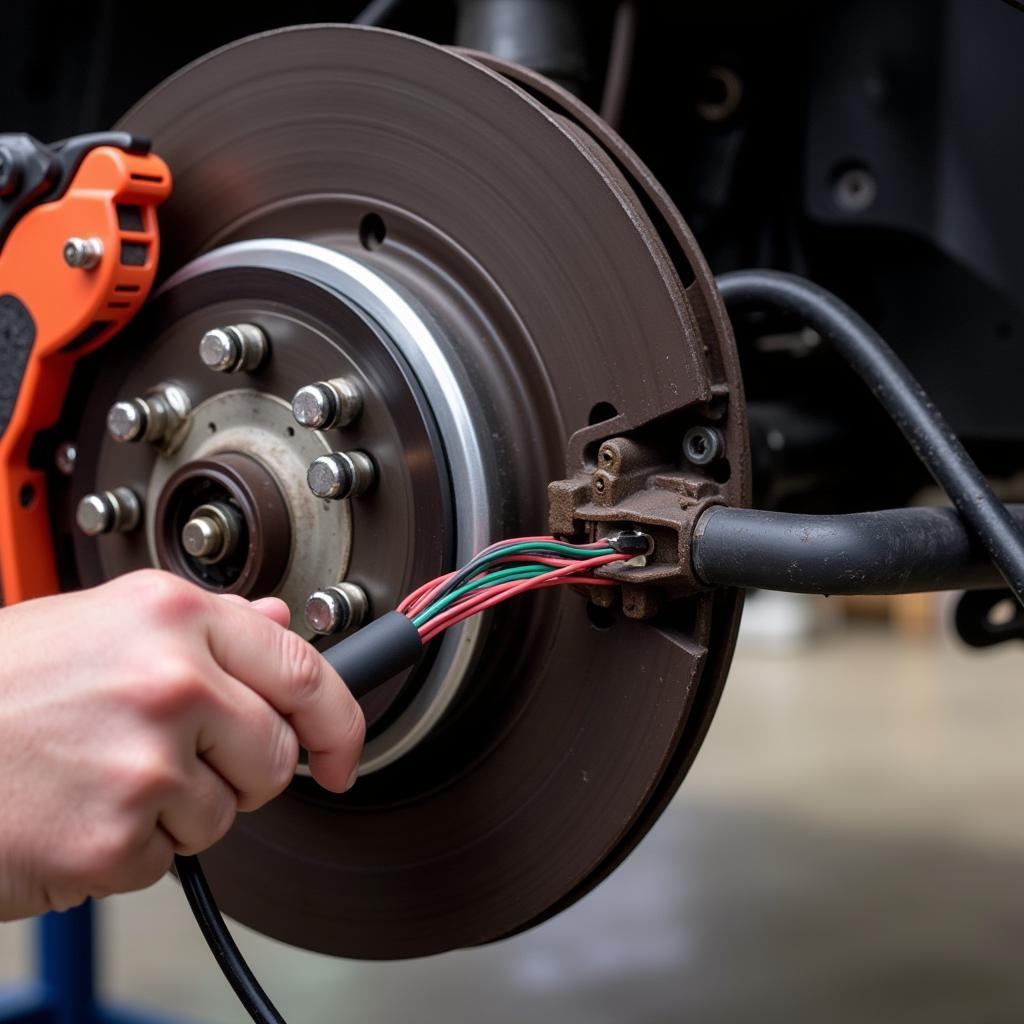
{"x": 377, "y": 12}
{"x": 903, "y": 399}
{"x": 249, "y": 991}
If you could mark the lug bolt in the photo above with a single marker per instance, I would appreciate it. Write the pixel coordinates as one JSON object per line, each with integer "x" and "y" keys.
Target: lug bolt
{"x": 329, "y": 403}
{"x": 336, "y": 609}
{"x": 211, "y": 533}
{"x": 159, "y": 418}
{"x": 340, "y": 475}
{"x": 127, "y": 420}
{"x": 702, "y": 445}
{"x": 64, "y": 458}
{"x": 240, "y": 347}
{"x": 117, "y": 511}
{"x": 83, "y": 253}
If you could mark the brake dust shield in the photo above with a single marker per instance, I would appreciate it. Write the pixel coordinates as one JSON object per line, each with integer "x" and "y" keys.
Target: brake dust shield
{"x": 562, "y": 291}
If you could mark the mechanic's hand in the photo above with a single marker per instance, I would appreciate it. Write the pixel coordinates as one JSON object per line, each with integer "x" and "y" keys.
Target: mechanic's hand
{"x": 137, "y": 719}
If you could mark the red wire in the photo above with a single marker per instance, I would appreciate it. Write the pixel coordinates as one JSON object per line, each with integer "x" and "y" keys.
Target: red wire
{"x": 422, "y": 596}
{"x": 490, "y": 596}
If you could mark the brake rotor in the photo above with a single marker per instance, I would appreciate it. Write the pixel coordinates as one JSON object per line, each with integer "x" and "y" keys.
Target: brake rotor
{"x": 494, "y": 270}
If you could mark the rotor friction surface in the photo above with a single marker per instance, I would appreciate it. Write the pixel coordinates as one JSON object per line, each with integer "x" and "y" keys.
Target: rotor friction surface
{"x": 568, "y": 739}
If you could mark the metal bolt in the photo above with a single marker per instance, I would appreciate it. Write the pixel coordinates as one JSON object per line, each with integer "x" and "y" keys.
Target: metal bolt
{"x": 118, "y": 511}
{"x": 160, "y": 418}
{"x": 854, "y": 189}
{"x": 336, "y": 609}
{"x": 702, "y": 445}
{"x": 239, "y": 347}
{"x": 83, "y": 253}
{"x": 328, "y": 403}
{"x": 211, "y": 533}
{"x": 599, "y": 485}
{"x": 64, "y": 458}
{"x": 127, "y": 420}
{"x": 340, "y": 475}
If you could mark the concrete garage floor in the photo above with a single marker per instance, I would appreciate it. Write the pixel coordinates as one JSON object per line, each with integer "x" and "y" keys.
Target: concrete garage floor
{"x": 848, "y": 847}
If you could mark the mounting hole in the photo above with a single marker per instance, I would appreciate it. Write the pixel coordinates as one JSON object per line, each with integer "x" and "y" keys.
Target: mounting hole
{"x": 601, "y": 412}
{"x": 372, "y": 231}
{"x": 211, "y": 427}
{"x": 27, "y": 496}
{"x": 290, "y": 431}
{"x": 600, "y": 618}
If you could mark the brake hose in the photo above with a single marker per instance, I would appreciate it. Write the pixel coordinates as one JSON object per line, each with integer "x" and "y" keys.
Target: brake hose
{"x": 900, "y": 395}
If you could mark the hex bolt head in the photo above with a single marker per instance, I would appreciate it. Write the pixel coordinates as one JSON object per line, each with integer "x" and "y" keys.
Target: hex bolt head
{"x": 116, "y": 511}
{"x": 702, "y": 445}
{"x": 127, "y": 420}
{"x": 341, "y": 475}
{"x": 211, "y": 533}
{"x": 161, "y": 418}
{"x": 329, "y": 403}
{"x": 83, "y": 253}
{"x": 336, "y": 609}
{"x": 233, "y": 349}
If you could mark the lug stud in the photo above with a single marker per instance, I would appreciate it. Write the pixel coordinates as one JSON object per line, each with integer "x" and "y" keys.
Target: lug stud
{"x": 212, "y": 532}
{"x": 233, "y": 349}
{"x": 328, "y": 403}
{"x": 336, "y": 609}
{"x": 83, "y": 253}
{"x": 116, "y": 511}
{"x": 160, "y": 418}
{"x": 341, "y": 475}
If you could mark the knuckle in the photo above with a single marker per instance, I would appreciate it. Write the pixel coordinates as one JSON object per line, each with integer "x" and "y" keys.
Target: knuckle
{"x": 174, "y": 685}
{"x": 164, "y": 597}
{"x": 147, "y": 777}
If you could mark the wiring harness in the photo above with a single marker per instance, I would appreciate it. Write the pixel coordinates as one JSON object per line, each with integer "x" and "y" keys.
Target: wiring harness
{"x": 393, "y": 642}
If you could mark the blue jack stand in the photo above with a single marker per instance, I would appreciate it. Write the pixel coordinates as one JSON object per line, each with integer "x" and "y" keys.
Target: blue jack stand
{"x": 65, "y": 991}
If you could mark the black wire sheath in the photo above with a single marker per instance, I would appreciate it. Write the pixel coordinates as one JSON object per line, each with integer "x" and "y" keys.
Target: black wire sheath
{"x": 900, "y": 395}
{"x": 249, "y": 991}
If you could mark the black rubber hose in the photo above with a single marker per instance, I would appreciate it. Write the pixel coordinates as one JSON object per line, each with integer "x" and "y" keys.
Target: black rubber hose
{"x": 898, "y": 551}
{"x": 902, "y": 398}
{"x": 227, "y": 954}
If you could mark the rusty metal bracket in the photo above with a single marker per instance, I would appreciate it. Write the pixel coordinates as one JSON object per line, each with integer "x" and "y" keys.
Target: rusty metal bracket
{"x": 631, "y": 485}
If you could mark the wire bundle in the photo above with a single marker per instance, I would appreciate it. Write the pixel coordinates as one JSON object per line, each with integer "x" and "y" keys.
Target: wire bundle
{"x": 501, "y": 572}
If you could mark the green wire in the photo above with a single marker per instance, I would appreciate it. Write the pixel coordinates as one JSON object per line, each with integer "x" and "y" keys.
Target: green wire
{"x": 519, "y": 572}
{"x": 479, "y": 563}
